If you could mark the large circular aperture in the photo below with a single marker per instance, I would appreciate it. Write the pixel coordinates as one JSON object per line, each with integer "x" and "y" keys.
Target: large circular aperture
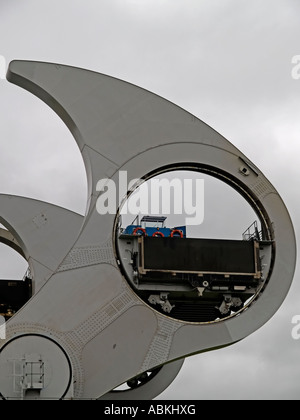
{"x": 194, "y": 243}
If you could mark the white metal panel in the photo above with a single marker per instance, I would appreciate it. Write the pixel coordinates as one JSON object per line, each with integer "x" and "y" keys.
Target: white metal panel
{"x": 119, "y": 126}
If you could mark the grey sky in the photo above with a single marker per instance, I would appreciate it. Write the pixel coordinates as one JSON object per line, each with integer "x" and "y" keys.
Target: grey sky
{"x": 226, "y": 61}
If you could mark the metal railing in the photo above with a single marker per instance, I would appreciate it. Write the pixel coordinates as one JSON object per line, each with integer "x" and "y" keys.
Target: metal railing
{"x": 252, "y": 233}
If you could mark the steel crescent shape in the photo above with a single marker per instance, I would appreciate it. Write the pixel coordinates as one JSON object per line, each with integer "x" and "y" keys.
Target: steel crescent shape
{"x": 43, "y": 233}
{"x": 119, "y": 126}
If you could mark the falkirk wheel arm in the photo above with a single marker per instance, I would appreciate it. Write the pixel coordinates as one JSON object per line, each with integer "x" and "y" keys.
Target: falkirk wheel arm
{"x": 40, "y": 232}
{"x": 88, "y": 326}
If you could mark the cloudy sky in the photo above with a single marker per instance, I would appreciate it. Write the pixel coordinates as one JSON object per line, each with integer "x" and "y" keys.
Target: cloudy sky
{"x": 228, "y": 62}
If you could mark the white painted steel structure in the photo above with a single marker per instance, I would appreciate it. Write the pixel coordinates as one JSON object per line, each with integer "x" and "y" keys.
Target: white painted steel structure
{"x": 85, "y": 326}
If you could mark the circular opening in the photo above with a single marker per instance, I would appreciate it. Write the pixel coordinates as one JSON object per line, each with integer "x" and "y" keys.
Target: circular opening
{"x": 137, "y": 381}
{"x": 194, "y": 244}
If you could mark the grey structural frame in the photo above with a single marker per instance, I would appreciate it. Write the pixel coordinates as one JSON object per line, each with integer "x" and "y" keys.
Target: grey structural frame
{"x": 105, "y": 334}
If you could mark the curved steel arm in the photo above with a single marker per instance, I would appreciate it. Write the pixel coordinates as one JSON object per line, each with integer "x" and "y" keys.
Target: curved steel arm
{"x": 87, "y": 305}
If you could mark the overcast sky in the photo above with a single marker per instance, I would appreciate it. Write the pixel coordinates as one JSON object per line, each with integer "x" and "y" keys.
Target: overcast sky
{"x": 228, "y": 62}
